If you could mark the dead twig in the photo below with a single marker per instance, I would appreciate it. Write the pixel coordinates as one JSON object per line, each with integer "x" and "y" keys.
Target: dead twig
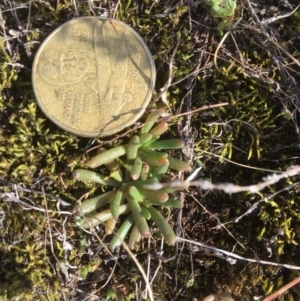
{"x": 283, "y": 290}
{"x": 231, "y": 256}
{"x": 169, "y": 117}
{"x": 228, "y": 187}
{"x": 273, "y": 19}
{"x": 164, "y": 89}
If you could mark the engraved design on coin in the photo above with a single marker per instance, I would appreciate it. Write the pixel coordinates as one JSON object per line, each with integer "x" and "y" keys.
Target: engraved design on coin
{"x": 93, "y": 76}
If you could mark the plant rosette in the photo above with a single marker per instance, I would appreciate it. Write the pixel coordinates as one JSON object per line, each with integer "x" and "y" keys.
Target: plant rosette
{"x": 132, "y": 169}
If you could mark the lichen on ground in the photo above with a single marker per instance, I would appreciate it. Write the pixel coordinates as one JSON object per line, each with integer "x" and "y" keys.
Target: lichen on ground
{"x": 45, "y": 257}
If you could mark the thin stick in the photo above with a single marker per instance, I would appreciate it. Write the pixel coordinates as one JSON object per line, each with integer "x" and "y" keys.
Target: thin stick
{"x": 231, "y": 255}
{"x": 164, "y": 89}
{"x": 267, "y": 36}
{"x": 222, "y": 42}
{"x": 273, "y": 19}
{"x": 227, "y": 187}
{"x": 241, "y": 165}
{"x": 218, "y": 221}
{"x": 282, "y": 290}
{"x": 141, "y": 270}
{"x": 115, "y": 10}
{"x": 11, "y": 197}
{"x": 205, "y": 107}
{"x": 135, "y": 261}
{"x": 63, "y": 269}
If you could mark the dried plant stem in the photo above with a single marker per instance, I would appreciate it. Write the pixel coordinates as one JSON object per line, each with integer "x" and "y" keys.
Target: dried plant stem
{"x": 222, "y": 42}
{"x": 282, "y": 290}
{"x": 203, "y": 108}
{"x": 228, "y": 187}
{"x": 219, "y": 224}
{"x": 239, "y": 164}
{"x": 148, "y": 286}
{"x": 230, "y": 257}
{"x": 262, "y": 29}
{"x": 264, "y": 199}
{"x": 61, "y": 265}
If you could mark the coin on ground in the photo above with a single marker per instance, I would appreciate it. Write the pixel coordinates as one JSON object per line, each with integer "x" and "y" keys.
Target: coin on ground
{"x": 93, "y": 76}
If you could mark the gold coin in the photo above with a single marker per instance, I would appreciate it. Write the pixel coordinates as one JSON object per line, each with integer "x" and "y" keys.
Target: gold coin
{"x": 93, "y": 76}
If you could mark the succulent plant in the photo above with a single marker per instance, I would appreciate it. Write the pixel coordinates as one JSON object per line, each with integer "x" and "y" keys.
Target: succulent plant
{"x": 132, "y": 168}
